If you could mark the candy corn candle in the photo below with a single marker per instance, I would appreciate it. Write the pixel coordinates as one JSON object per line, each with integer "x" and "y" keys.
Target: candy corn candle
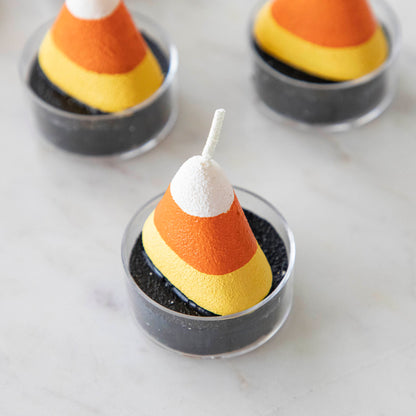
{"x": 95, "y": 54}
{"x": 198, "y": 237}
{"x": 325, "y": 63}
{"x": 209, "y": 266}
{"x": 333, "y": 39}
{"x": 101, "y": 80}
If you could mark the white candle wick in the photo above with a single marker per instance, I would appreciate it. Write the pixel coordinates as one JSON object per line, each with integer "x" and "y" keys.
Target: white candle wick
{"x": 214, "y": 135}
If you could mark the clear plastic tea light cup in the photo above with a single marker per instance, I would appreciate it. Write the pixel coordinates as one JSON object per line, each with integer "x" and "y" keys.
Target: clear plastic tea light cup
{"x": 333, "y": 106}
{"x": 126, "y": 133}
{"x": 213, "y": 336}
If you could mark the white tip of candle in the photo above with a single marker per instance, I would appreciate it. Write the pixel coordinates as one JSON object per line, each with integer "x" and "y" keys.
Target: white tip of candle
{"x": 91, "y": 9}
{"x": 214, "y": 135}
{"x": 201, "y": 189}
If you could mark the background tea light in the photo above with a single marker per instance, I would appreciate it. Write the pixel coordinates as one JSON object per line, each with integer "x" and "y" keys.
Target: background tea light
{"x": 100, "y": 97}
{"x": 300, "y": 87}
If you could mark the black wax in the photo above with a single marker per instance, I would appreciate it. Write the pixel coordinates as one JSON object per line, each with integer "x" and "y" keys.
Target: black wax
{"x": 101, "y": 136}
{"x": 314, "y": 106}
{"x": 156, "y": 286}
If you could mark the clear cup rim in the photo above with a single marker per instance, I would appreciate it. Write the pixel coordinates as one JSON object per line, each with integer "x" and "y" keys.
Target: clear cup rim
{"x": 173, "y": 60}
{"x": 395, "y": 37}
{"x": 289, "y": 272}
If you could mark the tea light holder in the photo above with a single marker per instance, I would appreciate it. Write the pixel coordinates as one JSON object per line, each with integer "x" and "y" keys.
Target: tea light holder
{"x": 329, "y": 106}
{"x": 125, "y": 133}
{"x": 213, "y": 336}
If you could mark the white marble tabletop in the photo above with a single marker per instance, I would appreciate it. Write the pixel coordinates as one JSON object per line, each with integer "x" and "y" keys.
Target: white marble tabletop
{"x": 68, "y": 345}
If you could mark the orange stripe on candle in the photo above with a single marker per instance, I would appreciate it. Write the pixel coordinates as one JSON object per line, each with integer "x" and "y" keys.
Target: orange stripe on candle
{"x": 214, "y": 245}
{"x": 112, "y": 45}
{"x": 332, "y": 23}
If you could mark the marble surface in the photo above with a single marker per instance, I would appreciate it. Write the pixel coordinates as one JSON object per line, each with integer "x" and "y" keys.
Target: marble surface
{"x": 68, "y": 344}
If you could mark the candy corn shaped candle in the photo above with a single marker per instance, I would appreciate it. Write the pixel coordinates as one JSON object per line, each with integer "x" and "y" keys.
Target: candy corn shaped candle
{"x": 95, "y": 54}
{"x": 101, "y": 81}
{"x": 330, "y": 64}
{"x": 199, "y": 239}
{"x": 335, "y": 40}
